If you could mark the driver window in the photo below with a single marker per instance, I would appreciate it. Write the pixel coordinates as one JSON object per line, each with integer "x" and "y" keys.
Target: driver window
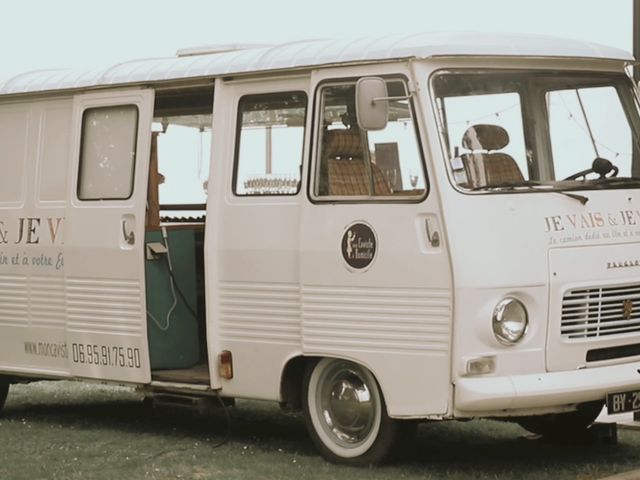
{"x": 355, "y": 163}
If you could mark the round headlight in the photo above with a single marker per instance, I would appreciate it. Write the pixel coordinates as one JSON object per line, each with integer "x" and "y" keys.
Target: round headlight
{"x": 510, "y": 321}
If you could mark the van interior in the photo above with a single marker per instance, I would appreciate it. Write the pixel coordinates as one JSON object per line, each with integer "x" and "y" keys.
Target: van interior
{"x": 174, "y": 237}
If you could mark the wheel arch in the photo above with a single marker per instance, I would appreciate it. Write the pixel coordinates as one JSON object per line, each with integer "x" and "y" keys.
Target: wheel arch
{"x": 4, "y": 390}
{"x": 292, "y": 378}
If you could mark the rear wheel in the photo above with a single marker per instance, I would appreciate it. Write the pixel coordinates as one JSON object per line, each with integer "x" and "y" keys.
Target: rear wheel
{"x": 563, "y": 424}
{"x": 346, "y": 414}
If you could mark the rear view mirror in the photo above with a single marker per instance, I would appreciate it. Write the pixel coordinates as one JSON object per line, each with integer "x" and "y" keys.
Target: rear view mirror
{"x": 372, "y": 106}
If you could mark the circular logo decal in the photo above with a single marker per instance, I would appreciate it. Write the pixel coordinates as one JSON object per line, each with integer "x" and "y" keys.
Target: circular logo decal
{"x": 359, "y": 245}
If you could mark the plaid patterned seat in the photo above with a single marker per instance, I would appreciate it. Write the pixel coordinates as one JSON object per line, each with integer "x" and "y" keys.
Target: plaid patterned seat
{"x": 487, "y": 169}
{"x": 347, "y": 172}
{"x": 342, "y": 143}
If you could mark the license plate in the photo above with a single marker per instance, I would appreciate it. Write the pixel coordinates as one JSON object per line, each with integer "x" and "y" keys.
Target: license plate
{"x": 623, "y": 402}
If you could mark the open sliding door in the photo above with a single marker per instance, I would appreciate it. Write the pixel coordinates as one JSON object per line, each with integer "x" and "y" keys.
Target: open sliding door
{"x": 104, "y": 236}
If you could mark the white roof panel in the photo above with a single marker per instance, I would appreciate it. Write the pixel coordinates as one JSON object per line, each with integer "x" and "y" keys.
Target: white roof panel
{"x": 308, "y": 54}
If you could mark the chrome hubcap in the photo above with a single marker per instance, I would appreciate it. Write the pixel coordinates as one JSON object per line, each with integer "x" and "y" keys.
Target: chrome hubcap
{"x": 347, "y": 405}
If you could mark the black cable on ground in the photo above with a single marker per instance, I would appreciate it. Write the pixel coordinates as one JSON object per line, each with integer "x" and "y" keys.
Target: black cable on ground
{"x": 227, "y": 415}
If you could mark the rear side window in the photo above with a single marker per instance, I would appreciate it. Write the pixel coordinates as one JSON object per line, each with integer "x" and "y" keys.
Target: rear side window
{"x": 108, "y": 153}
{"x": 269, "y": 145}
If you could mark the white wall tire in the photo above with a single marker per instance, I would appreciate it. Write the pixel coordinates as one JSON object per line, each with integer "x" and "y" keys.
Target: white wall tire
{"x": 346, "y": 414}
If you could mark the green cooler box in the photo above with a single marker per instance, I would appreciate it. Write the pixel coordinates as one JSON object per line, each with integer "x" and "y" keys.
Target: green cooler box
{"x": 173, "y": 341}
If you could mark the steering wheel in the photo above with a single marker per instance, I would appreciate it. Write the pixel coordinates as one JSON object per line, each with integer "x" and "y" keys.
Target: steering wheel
{"x": 601, "y": 166}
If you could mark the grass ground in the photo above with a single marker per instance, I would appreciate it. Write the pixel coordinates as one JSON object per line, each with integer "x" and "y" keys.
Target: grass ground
{"x": 65, "y": 430}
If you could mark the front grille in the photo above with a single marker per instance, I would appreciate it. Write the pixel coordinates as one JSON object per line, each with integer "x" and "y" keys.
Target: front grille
{"x": 611, "y": 353}
{"x": 599, "y": 312}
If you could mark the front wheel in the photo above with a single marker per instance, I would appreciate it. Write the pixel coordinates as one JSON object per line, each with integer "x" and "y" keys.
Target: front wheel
{"x": 346, "y": 414}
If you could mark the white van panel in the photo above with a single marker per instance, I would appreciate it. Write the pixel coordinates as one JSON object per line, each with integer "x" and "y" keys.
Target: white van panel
{"x": 53, "y": 152}
{"x": 14, "y": 132}
{"x": 35, "y": 137}
{"x": 104, "y": 243}
{"x": 252, "y": 259}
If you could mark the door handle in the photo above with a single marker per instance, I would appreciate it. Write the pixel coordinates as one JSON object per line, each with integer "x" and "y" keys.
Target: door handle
{"x": 129, "y": 237}
{"x": 432, "y": 237}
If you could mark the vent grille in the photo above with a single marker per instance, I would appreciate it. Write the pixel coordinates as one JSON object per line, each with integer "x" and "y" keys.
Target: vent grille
{"x": 598, "y": 312}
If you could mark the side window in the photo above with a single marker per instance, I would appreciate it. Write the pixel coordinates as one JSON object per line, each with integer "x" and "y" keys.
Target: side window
{"x": 108, "y": 153}
{"x": 356, "y": 163}
{"x": 269, "y": 145}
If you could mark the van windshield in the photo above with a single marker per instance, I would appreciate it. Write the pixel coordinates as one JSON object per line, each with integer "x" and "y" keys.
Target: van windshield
{"x": 506, "y": 130}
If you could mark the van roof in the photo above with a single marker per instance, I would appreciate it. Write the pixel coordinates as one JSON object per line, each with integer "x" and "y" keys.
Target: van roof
{"x": 228, "y": 60}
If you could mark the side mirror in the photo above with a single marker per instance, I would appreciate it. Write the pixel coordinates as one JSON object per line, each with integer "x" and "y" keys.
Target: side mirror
{"x": 372, "y": 106}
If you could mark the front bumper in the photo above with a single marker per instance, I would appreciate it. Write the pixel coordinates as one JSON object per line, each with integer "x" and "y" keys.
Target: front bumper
{"x": 524, "y": 394}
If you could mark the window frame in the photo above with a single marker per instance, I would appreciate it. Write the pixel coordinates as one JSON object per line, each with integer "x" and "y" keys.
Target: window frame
{"x": 81, "y": 152}
{"x": 313, "y": 175}
{"x": 531, "y": 133}
{"x": 238, "y": 135}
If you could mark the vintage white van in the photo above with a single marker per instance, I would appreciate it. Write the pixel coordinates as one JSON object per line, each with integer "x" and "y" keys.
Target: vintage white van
{"x": 374, "y": 231}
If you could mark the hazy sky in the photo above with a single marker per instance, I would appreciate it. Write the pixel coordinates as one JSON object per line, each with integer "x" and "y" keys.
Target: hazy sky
{"x": 36, "y": 34}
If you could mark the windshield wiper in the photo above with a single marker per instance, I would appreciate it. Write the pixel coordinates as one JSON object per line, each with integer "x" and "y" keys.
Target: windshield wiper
{"x": 533, "y": 185}
{"x": 581, "y": 198}
{"x": 507, "y": 185}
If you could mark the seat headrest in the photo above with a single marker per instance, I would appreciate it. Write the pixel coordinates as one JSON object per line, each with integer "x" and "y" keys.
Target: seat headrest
{"x": 485, "y": 137}
{"x": 342, "y": 143}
